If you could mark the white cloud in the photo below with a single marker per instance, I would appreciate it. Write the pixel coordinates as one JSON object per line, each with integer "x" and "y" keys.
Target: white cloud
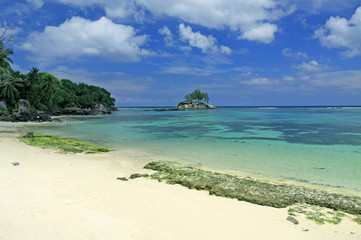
{"x": 168, "y": 36}
{"x": 288, "y": 78}
{"x": 257, "y": 81}
{"x": 198, "y": 40}
{"x": 36, "y": 3}
{"x": 316, "y": 6}
{"x": 80, "y": 37}
{"x": 226, "y": 50}
{"x": 342, "y": 33}
{"x": 263, "y": 33}
{"x": 252, "y": 20}
{"x": 287, "y": 52}
{"x": 349, "y": 80}
{"x": 191, "y": 70}
{"x": 312, "y": 67}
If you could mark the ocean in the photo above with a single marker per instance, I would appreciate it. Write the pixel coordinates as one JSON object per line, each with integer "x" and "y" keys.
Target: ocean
{"x": 311, "y": 145}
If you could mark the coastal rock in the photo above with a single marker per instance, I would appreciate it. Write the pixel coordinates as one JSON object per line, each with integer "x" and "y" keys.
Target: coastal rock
{"x": 29, "y": 135}
{"x": 100, "y": 109}
{"x": 75, "y": 111}
{"x": 138, "y": 175}
{"x": 122, "y": 178}
{"x": 26, "y": 114}
{"x": 95, "y": 110}
{"x": 194, "y": 105}
{"x": 24, "y": 106}
{"x": 292, "y": 220}
{"x": 187, "y": 106}
{"x": 44, "y": 117}
{"x": 3, "y": 105}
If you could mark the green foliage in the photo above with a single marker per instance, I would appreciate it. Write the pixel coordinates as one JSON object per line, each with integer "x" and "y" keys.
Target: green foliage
{"x": 197, "y": 95}
{"x": 63, "y": 145}
{"x": 43, "y": 90}
{"x": 357, "y": 219}
{"x": 9, "y": 86}
{"x": 251, "y": 190}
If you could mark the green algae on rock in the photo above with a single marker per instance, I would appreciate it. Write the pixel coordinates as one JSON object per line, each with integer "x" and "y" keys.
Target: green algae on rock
{"x": 251, "y": 190}
{"x": 318, "y": 214}
{"x": 62, "y": 145}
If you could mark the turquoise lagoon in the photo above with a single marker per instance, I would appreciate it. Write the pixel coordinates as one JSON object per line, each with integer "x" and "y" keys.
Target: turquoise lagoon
{"x": 313, "y": 145}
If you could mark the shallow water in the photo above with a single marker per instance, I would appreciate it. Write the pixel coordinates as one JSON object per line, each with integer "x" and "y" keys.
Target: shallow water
{"x": 320, "y": 146}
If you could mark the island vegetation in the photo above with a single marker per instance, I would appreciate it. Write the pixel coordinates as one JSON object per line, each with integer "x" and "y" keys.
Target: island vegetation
{"x": 63, "y": 145}
{"x": 43, "y": 90}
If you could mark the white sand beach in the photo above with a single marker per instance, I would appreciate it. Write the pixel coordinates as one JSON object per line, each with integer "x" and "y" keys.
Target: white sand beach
{"x": 76, "y": 196}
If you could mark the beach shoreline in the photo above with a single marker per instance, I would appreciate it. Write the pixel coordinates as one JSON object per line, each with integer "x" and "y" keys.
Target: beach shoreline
{"x": 77, "y": 196}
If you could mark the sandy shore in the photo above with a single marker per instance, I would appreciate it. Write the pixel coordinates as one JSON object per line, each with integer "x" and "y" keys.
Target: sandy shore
{"x": 57, "y": 196}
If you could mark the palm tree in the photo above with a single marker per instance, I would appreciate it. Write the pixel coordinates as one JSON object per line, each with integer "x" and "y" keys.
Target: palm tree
{"x": 9, "y": 88}
{"x": 5, "y": 61}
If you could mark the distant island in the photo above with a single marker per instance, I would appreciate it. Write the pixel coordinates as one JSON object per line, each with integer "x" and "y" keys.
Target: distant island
{"x": 193, "y": 101}
{"x": 36, "y": 96}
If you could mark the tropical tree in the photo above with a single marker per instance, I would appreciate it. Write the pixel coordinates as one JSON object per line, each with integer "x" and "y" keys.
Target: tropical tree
{"x": 188, "y": 97}
{"x": 5, "y": 60}
{"x": 9, "y": 86}
{"x": 197, "y": 95}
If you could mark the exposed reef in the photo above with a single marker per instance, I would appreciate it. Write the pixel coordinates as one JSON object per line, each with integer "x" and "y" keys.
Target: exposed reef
{"x": 62, "y": 145}
{"x": 279, "y": 195}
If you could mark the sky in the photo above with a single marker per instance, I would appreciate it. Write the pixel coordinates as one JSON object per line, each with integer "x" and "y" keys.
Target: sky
{"x": 154, "y": 52}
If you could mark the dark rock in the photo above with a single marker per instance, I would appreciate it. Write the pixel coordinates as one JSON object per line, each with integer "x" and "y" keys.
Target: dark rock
{"x": 75, "y": 111}
{"x": 305, "y": 230}
{"x": 24, "y": 106}
{"x": 122, "y": 178}
{"x": 15, "y": 163}
{"x": 29, "y": 135}
{"x": 292, "y": 220}
{"x": 138, "y": 175}
{"x": 45, "y": 117}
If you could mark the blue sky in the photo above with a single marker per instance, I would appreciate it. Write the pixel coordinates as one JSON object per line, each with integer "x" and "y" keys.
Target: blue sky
{"x": 153, "y": 52}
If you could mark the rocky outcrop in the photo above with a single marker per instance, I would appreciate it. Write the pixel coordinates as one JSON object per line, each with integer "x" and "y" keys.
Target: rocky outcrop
{"x": 97, "y": 109}
{"x": 194, "y": 105}
{"x": 187, "y": 106}
{"x": 26, "y": 114}
{"x": 24, "y": 106}
{"x": 100, "y": 109}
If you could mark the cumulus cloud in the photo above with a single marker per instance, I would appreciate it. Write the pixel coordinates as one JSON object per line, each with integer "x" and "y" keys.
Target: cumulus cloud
{"x": 80, "y": 37}
{"x": 198, "y": 40}
{"x": 251, "y": 19}
{"x": 263, "y": 33}
{"x": 342, "y": 33}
